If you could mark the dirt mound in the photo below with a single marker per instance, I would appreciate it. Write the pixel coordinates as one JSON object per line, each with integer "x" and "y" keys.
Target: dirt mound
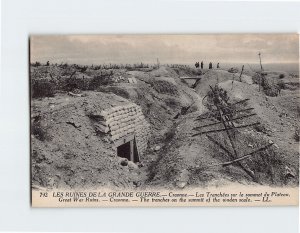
{"x": 191, "y": 161}
{"x": 279, "y": 115}
{"x": 184, "y": 160}
{"x": 188, "y": 71}
{"x": 212, "y": 77}
{"x": 67, "y": 150}
{"x": 163, "y": 71}
{"x": 161, "y": 99}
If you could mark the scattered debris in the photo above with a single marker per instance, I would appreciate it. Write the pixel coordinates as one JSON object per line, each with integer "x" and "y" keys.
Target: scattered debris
{"x": 157, "y": 148}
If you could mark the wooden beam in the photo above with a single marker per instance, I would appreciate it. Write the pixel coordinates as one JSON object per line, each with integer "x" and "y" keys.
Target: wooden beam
{"x": 233, "y": 112}
{"x": 246, "y": 156}
{"x": 137, "y": 153}
{"x": 242, "y": 110}
{"x": 215, "y": 123}
{"x": 124, "y": 140}
{"x": 239, "y": 102}
{"x": 219, "y": 130}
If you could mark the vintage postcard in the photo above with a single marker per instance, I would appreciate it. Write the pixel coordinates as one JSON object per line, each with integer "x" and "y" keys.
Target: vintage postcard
{"x": 164, "y": 120}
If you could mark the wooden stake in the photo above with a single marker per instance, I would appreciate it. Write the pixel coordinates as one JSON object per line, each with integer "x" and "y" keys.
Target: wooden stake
{"x": 261, "y": 70}
{"x": 240, "y": 78}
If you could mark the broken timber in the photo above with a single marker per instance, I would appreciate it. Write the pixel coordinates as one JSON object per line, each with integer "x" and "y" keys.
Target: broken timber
{"x": 226, "y": 129}
{"x": 247, "y": 156}
{"x": 227, "y": 116}
{"x": 215, "y": 123}
{"x": 235, "y": 111}
{"x": 240, "y": 158}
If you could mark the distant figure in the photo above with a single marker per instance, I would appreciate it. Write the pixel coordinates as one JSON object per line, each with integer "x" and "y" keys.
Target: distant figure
{"x": 201, "y": 65}
{"x": 197, "y": 64}
{"x": 278, "y": 90}
{"x": 48, "y": 63}
{"x": 218, "y": 65}
{"x": 210, "y": 66}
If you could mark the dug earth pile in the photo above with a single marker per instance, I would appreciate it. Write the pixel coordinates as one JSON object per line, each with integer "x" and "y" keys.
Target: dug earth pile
{"x": 84, "y": 114}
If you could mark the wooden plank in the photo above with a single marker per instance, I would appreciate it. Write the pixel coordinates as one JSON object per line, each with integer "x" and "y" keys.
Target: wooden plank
{"x": 124, "y": 140}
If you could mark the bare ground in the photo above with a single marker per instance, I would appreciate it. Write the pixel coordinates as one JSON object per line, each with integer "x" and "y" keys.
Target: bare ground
{"x": 67, "y": 152}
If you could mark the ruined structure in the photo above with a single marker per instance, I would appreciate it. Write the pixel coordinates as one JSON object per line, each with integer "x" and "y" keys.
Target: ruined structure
{"x": 125, "y": 127}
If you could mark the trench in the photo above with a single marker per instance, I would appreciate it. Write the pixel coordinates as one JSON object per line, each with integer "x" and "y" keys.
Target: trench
{"x": 148, "y": 171}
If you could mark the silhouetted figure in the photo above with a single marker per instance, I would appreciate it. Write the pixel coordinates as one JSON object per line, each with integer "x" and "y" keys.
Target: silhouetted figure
{"x": 197, "y": 64}
{"x": 218, "y": 65}
{"x": 48, "y": 63}
{"x": 210, "y": 66}
{"x": 201, "y": 65}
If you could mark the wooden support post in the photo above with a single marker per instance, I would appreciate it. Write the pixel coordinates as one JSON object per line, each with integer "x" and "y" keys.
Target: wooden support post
{"x": 261, "y": 70}
{"x": 240, "y": 78}
{"x": 132, "y": 150}
{"x": 232, "y": 81}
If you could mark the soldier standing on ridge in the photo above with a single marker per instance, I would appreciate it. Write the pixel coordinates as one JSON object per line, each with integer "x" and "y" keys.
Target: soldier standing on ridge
{"x": 197, "y": 64}
{"x": 201, "y": 65}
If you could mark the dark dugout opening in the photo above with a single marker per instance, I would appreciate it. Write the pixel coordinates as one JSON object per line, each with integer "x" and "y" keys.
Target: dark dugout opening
{"x": 128, "y": 150}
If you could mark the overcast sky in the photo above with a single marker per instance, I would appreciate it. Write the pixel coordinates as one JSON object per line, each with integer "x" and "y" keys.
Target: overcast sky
{"x": 186, "y": 49}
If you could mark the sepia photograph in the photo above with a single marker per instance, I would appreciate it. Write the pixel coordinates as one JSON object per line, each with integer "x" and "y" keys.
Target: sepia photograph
{"x": 149, "y": 116}
{"x": 164, "y": 120}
